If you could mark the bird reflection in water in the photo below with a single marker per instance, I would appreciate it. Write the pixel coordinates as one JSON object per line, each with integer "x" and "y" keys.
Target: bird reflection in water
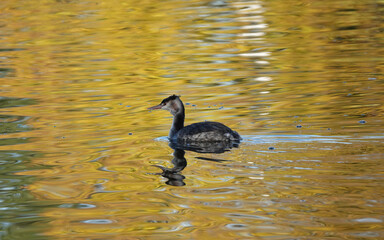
{"x": 174, "y": 176}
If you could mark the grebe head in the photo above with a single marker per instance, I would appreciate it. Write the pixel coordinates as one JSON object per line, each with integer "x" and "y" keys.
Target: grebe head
{"x": 173, "y": 104}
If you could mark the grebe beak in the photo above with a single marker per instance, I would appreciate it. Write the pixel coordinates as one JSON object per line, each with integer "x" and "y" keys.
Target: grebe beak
{"x": 156, "y": 107}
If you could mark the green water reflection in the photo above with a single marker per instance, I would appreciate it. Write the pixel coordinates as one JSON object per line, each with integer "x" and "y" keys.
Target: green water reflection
{"x": 82, "y": 158}
{"x": 20, "y": 211}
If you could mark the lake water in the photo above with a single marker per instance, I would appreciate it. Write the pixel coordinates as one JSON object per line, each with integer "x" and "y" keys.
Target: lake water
{"x": 81, "y": 157}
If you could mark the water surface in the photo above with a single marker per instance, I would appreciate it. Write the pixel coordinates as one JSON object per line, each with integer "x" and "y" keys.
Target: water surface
{"x": 83, "y": 158}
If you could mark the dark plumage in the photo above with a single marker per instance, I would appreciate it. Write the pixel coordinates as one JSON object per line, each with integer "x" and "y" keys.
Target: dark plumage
{"x": 206, "y": 132}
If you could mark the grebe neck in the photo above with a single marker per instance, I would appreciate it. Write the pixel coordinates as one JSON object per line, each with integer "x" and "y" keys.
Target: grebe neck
{"x": 178, "y": 122}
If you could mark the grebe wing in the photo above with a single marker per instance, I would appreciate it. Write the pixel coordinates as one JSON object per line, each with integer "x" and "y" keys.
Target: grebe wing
{"x": 207, "y": 131}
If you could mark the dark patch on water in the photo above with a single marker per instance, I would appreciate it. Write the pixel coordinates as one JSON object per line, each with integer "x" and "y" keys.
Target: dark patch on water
{"x": 20, "y": 212}
{"x": 14, "y": 124}
{"x": 7, "y": 102}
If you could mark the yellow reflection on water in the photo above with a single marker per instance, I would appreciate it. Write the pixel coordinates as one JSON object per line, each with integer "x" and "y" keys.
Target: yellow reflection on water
{"x": 300, "y": 82}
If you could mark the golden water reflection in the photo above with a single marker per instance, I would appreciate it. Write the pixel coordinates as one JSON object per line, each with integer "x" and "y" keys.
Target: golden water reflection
{"x": 301, "y": 82}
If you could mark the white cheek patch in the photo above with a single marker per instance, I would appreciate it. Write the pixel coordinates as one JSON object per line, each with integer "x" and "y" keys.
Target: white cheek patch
{"x": 167, "y": 107}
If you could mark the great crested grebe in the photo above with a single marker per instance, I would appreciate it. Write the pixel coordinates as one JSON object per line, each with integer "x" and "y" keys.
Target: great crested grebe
{"x": 197, "y": 132}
